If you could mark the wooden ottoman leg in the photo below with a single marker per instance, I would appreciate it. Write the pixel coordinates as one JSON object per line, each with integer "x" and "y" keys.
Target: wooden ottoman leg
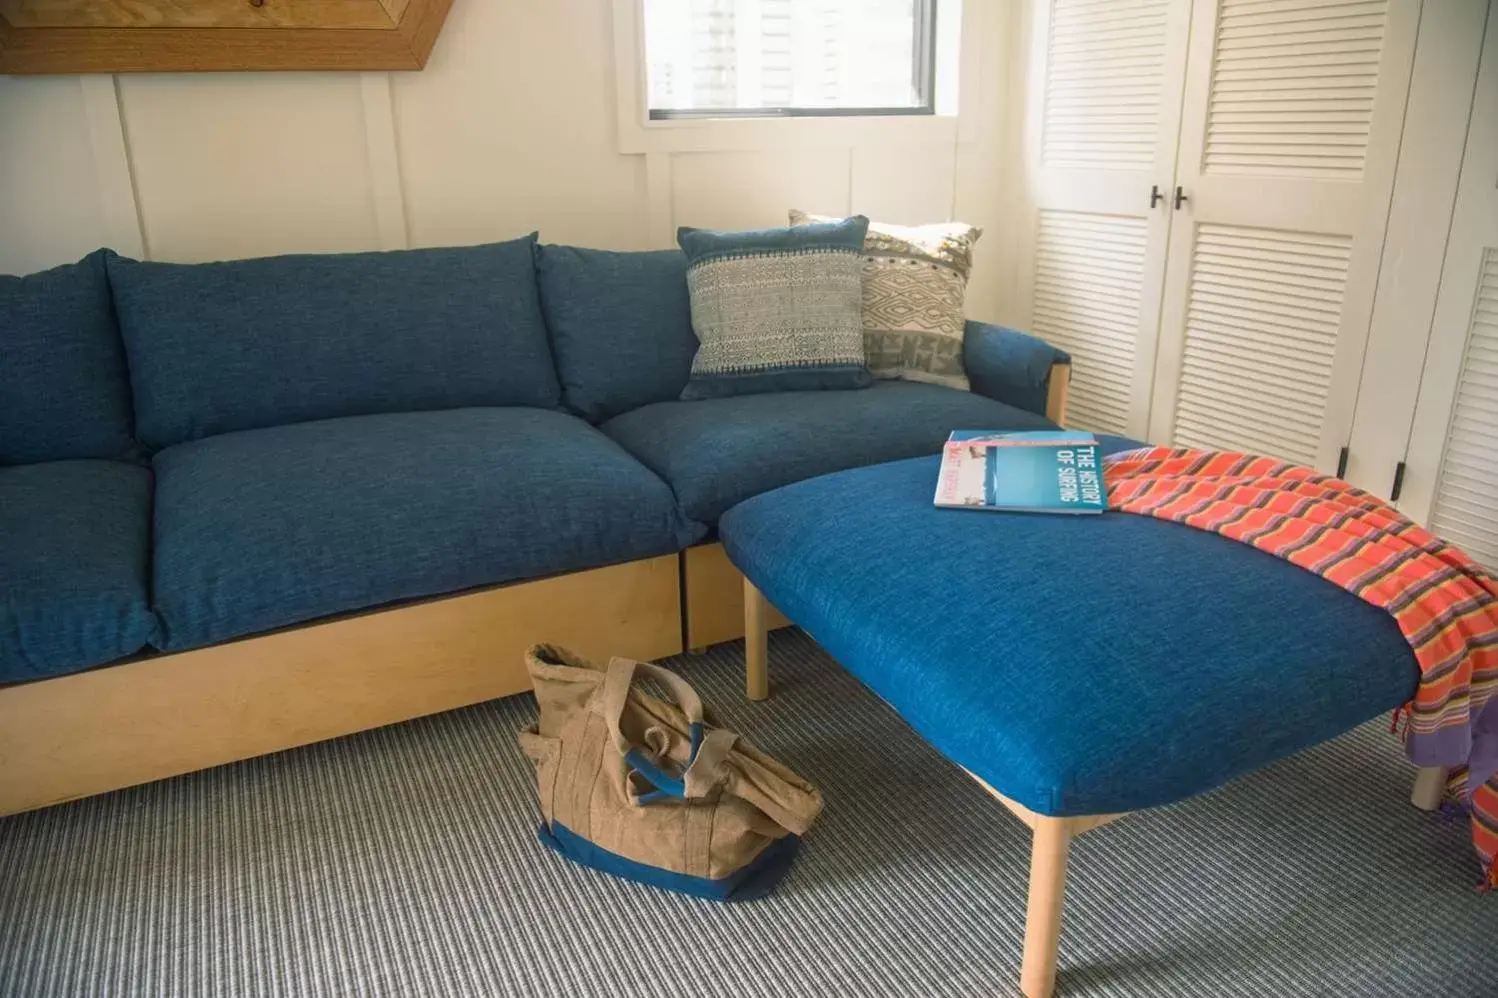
{"x": 1048, "y": 855}
{"x": 1430, "y": 788}
{"x": 756, "y": 635}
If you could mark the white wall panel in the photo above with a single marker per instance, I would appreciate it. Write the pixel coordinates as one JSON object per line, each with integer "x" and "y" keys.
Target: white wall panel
{"x": 986, "y": 186}
{"x": 230, "y": 165}
{"x": 49, "y": 211}
{"x": 511, "y": 128}
{"x": 753, "y": 190}
{"x": 904, "y": 184}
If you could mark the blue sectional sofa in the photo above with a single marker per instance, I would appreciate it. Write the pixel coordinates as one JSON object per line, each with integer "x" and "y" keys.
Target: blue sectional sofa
{"x": 192, "y": 456}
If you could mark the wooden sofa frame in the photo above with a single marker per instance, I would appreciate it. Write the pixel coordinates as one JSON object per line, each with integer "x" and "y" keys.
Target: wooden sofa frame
{"x": 163, "y": 715}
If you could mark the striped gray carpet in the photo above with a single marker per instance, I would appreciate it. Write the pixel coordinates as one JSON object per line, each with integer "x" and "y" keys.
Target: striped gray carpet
{"x": 404, "y": 862}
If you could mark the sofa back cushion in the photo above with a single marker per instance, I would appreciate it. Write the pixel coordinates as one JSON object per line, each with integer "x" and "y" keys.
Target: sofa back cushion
{"x": 64, "y": 391}
{"x": 215, "y": 347}
{"x": 621, "y": 326}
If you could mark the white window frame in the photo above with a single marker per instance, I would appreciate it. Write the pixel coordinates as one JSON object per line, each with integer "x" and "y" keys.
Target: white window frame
{"x": 639, "y": 134}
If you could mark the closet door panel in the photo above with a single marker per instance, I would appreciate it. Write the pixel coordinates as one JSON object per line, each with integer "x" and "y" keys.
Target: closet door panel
{"x": 1105, "y": 83}
{"x": 1452, "y": 466}
{"x": 1089, "y": 271}
{"x": 1436, "y": 123}
{"x": 1292, "y": 89}
{"x": 1261, "y": 340}
{"x": 1290, "y": 135}
{"x": 1464, "y": 507}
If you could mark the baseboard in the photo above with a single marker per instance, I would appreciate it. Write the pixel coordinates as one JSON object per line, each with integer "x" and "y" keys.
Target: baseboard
{"x": 157, "y": 717}
{"x": 714, "y": 593}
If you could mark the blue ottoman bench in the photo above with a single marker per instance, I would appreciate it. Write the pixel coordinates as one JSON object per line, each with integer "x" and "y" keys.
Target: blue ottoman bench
{"x": 1080, "y": 667}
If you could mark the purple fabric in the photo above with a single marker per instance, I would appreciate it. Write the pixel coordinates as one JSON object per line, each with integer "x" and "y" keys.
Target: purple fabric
{"x": 1482, "y": 761}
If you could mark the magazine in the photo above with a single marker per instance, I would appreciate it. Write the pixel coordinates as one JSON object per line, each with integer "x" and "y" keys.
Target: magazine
{"x": 1037, "y": 471}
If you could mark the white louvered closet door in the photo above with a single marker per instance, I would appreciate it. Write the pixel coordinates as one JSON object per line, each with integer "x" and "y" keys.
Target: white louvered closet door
{"x": 1104, "y": 114}
{"x": 1451, "y": 477}
{"x": 1290, "y": 134}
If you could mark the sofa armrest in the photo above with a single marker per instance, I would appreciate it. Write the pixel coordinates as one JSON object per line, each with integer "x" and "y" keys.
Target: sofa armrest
{"x": 1017, "y": 368}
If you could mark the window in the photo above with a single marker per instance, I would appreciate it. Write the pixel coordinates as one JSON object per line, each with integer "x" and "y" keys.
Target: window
{"x": 787, "y": 58}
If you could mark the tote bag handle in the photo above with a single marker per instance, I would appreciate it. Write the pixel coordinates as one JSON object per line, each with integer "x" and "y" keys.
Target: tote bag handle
{"x": 709, "y": 749}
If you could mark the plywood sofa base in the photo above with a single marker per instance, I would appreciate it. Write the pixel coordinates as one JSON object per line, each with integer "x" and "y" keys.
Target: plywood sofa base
{"x": 161, "y": 716}
{"x": 714, "y": 596}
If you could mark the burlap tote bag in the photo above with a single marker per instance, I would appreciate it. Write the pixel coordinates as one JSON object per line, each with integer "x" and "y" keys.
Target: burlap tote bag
{"x": 643, "y": 789}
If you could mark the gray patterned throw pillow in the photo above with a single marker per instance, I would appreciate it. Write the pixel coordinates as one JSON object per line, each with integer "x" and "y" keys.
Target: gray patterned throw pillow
{"x": 914, "y": 284}
{"x": 776, "y": 310}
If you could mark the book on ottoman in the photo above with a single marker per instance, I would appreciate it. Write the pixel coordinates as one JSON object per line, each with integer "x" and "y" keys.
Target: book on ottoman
{"x": 1037, "y": 471}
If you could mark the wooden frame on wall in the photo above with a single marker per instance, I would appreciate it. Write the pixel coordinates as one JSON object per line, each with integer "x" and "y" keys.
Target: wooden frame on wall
{"x": 151, "y": 36}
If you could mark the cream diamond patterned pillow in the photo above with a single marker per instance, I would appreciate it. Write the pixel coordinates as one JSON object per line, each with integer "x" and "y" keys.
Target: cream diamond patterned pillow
{"x": 914, "y": 283}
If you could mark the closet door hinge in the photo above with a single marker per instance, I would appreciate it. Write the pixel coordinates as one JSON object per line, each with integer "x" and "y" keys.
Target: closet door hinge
{"x": 1398, "y": 482}
{"x": 1342, "y": 463}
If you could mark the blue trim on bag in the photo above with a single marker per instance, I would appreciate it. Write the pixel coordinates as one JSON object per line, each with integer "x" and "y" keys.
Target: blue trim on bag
{"x": 666, "y": 785}
{"x": 753, "y": 881}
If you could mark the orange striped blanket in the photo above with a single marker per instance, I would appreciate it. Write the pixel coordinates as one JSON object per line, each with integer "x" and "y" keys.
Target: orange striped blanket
{"x": 1445, "y": 604}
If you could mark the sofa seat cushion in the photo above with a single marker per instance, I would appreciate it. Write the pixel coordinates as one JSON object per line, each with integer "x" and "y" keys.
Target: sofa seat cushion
{"x": 718, "y": 452}
{"x": 74, "y": 566}
{"x": 264, "y": 528}
{"x": 1077, "y": 664}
